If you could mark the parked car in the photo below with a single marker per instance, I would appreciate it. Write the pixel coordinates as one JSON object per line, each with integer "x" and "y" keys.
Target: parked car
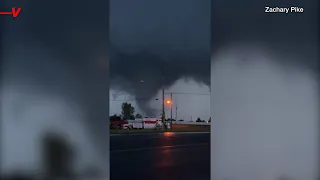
{"x": 118, "y": 123}
{"x": 127, "y": 126}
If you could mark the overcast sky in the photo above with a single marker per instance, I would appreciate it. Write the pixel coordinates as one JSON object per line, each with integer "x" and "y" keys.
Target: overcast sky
{"x": 151, "y": 37}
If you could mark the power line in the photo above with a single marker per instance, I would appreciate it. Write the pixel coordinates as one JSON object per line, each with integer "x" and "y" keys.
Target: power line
{"x": 146, "y": 99}
{"x": 202, "y": 94}
{"x": 186, "y": 93}
{"x": 134, "y": 100}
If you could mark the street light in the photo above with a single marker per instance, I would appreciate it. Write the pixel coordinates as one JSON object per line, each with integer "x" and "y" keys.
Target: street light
{"x": 169, "y": 102}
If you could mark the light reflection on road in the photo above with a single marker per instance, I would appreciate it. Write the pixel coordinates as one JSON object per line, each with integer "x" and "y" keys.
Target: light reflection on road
{"x": 168, "y": 134}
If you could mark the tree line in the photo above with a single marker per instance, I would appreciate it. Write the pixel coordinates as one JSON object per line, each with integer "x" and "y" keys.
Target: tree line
{"x": 127, "y": 112}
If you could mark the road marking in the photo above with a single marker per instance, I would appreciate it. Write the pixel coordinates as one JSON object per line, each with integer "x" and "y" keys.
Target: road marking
{"x": 148, "y": 134}
{"x": 160, "y": 147}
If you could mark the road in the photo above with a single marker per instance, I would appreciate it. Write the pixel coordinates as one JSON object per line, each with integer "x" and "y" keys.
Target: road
{"x": 167, "y": 156}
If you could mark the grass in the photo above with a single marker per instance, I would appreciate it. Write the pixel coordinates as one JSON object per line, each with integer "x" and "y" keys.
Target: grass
{"x": 125, "y": 131}
{"x": 175, "y": 129}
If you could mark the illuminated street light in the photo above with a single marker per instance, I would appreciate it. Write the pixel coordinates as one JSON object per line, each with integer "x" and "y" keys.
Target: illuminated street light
{"x": 168, "y": 102}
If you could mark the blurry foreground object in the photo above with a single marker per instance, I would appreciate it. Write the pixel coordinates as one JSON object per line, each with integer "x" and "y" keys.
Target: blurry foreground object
{"x": 55, "y": 90}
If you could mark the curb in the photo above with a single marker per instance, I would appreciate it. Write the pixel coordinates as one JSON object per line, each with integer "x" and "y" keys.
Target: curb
{"x": 145, "y": 134}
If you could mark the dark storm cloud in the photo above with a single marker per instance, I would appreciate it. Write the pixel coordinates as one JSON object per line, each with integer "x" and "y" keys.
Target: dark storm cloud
{"x": 60, "y": 44}
{"x": 71, "y": 28}
{"x": 129, "y": 69}
{"x": 247, "y": 22}
{"x": 158, "y": 42}
{"x": 71, "y": 31}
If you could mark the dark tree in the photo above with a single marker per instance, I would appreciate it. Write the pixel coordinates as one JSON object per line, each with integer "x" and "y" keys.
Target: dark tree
{"x": 127, "y": 110}
{"x": 198, "y": 120}
{"x": 138, "y": 116}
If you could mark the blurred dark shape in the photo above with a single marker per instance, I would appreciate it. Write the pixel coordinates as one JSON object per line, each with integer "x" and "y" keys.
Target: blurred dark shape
{"x": 58, "y": 157}
{"x": 199, "y": 120}
{"x": 17, "y": 176}
{"x": 138, "y": 116}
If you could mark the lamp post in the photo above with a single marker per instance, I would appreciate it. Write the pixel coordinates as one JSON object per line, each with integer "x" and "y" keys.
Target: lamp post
{"x": 162, "y": 114}
{"x": 171, "y": 108}
{"x": 170, "y": 104}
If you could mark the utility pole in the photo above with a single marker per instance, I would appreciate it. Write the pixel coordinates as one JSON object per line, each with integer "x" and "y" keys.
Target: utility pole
{"x": 171, "y": 111}
{"x": 163, "y": 110}
{"x": 176, "y": 113}
{"x": 171, "y": 106}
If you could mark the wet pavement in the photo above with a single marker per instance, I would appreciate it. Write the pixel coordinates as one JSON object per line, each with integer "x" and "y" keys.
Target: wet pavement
{"x": 167, "y": 156}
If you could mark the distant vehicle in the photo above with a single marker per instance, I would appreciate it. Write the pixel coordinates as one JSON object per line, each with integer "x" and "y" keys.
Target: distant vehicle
{"x": 151, "y": 123}
{"x": 181, "y": 120}
{"x": 137, "y": 123}
{"x": 127, "y": 126}
{"x": 118, "y": 123}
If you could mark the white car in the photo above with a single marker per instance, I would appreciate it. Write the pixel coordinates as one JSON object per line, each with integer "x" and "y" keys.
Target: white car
{"x": 127, "y": 126}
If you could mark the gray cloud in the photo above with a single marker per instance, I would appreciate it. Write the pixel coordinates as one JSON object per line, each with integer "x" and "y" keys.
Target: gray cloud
{"x": 156, "y": 72}
{"x": 145, "y": 35}
{"x": 246, "y": 22}
{"x": 158, "y": 42}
